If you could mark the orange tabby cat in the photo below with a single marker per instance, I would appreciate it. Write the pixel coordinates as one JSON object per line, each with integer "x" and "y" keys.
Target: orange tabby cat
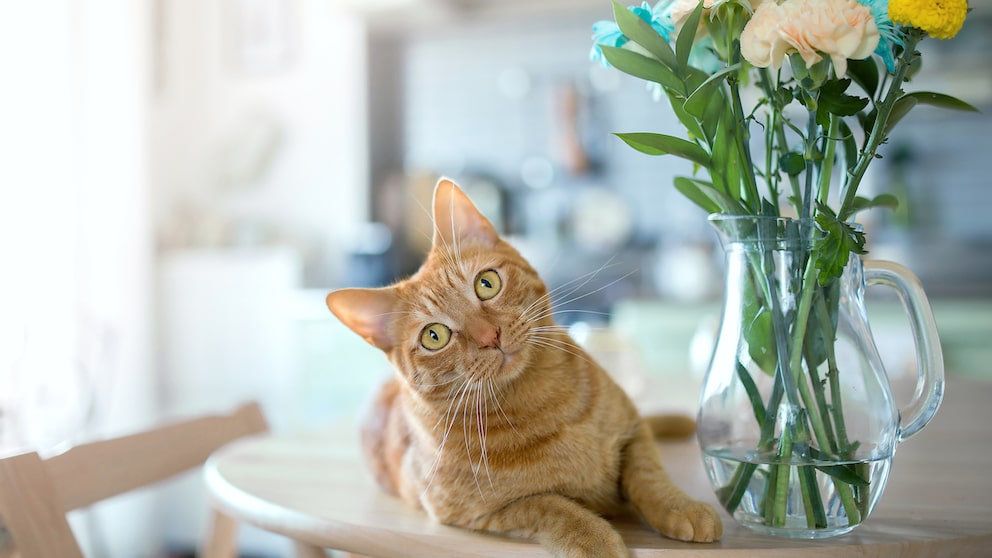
{"x": 496, "y": 420}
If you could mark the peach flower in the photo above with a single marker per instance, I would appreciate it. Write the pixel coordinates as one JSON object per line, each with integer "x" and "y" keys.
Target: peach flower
{"x": 838, "y": 29}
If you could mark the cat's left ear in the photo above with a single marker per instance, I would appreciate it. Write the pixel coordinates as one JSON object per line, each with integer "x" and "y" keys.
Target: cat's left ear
{"x": 456, "y": 219}
{"x": 368, "y": 312}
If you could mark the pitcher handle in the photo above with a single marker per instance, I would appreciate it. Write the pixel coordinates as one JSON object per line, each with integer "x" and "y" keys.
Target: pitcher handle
{"x": 930, "y": 359}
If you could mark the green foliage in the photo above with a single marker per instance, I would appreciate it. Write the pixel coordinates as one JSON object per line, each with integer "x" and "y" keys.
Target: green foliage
{"x": 758, "y": 330}
{"x": 639, "y": 31}
{"x": 834, "y": 100}
{"x": 834, "y": 249}
{"x": 704, "y": 195}
{"x": 644, "y": 67}
{"x": 661, "y": 144}
{"x": 909, "y": 101}
{"x": 865, "y": 74}
{"x": 708, "y": 105}
{"x": 687, "y": 38}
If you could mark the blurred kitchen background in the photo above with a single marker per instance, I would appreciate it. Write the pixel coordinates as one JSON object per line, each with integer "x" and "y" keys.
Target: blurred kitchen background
{"x": 182, "y": 181}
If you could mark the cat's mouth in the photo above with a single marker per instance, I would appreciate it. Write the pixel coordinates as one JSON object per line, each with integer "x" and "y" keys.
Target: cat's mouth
{"x": 511, "y": 364}
{"x": 499, "y": 363}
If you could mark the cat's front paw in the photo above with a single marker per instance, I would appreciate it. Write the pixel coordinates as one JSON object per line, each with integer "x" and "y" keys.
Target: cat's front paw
{"x": 598, "y": 541}
{"x": 692, "y": 522}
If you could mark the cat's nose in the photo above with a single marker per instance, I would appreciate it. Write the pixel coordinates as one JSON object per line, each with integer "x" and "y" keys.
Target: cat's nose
{"x": 485, "y": 334}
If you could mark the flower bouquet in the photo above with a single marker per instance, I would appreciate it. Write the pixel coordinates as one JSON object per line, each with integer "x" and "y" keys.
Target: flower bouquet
{"x": 796, "y": 423}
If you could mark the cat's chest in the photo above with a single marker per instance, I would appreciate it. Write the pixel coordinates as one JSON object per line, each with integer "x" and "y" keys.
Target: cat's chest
{"x": 462, "y": 479}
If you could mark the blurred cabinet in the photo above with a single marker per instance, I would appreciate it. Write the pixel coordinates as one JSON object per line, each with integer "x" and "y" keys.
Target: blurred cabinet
{"x": 674, "y": 340}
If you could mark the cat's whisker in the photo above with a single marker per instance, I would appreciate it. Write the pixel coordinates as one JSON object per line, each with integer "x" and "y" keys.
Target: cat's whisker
{"x": 449, "y": 424}
{"x": 583, "y": 280}
{"x": 499, "y": 407}
{"x": 468, "y": 449}
{"x": 451, "y": 404}
{"x": 484, "y": 434}
{"x": 439, "y": 384}
{"x": 580, "y": 297}
{"x": 559, "y": 345}
{"x": 553, "y": 327}
{"x": 561, "y": 312}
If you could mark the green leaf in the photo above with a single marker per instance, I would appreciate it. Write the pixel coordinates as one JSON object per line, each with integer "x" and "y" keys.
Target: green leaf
{"x": 644, "y": 67}
{"x": 847, "y": 473}
{"x": 693, "y": 126}
{"x": 834, "y": 100}
{"x": 941, "y": 101}
{"x": 758, "y": 328}
{"x": 700, "y": 98}
{"x": 706, "y": 196}
{"x": 641, "y": 32}
{"x": 716, "y": 111}
{"x": 834, "y": 250}
{"x": 862, "y": 203}
{"x": 865, "y": 74}
{"x": 720, "y": 155}
{"x": 907, "y": 102}
{"x": 687, "y": 37}
{"x": 850, "y": 146}
{"x": 821, "y": 333}
{"x": 757, "y": 405}
{"x": 661, "y": 144}
{"x": 792, "y": 163}
{"x": 900, "y": 109}
{"x": 691, "y": 190}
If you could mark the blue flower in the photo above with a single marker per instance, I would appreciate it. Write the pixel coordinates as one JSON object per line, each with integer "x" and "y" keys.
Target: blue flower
{"x": 703, "y": 56}
{"x": 889, "y": 34}
{"x": 608, "y": 33}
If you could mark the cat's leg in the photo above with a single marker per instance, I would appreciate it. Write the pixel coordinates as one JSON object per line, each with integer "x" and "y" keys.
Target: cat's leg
{"x": 561, "y": 525}
{"x": 662, "y": 504}
{"x": 384, "y": 436}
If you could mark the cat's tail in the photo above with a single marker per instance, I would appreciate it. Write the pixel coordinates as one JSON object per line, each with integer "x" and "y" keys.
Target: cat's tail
{"x": 671, "y": 426}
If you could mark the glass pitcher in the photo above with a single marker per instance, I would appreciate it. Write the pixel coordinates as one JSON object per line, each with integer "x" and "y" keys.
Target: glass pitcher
{"x": 797, "y": 422}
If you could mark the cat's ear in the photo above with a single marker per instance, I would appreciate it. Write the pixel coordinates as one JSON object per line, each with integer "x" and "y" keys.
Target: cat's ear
{"x": 367, "y": 312}
{"x": 456, "y": 219}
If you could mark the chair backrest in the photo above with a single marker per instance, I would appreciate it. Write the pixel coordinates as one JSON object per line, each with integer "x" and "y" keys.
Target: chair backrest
{"x": 35, "y": 494}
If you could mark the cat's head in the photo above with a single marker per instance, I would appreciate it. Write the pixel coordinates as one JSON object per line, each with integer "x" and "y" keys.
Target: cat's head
{"x": 469, "y": 312}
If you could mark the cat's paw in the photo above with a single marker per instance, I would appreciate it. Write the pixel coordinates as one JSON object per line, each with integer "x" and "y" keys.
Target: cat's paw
{"x": 602, "y": 541}
{"x": 692, "y": 522}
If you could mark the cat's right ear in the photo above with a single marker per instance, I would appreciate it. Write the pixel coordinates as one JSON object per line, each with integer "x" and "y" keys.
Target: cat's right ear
{"x": 367, "y": 312}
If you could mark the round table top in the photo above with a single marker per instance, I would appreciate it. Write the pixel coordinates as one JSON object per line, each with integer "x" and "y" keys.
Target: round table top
{"x": 315, "y": 488}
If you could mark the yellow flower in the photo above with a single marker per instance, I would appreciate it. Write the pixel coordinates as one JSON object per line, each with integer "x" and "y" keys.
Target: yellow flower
{"x": 941, "y": 19}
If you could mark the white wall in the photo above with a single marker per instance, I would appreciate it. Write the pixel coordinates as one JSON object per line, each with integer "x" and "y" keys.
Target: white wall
{"x": 259, "y": 169}
{"x": 259, "y": 139}
{"x": 75, "y": 239}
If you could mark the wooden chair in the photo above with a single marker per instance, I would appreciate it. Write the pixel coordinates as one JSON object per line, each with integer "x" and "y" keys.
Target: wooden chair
{"x": 36, "y": 493}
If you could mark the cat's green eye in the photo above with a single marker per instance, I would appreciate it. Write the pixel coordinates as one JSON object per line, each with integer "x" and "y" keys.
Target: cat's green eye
{"x": 488, "y": 284}
{"x": 435, "y": 336}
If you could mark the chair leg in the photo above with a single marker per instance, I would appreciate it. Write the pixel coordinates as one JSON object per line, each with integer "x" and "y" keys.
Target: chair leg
{"x": 306, "y": 550}
{"x": 221, "y": 539}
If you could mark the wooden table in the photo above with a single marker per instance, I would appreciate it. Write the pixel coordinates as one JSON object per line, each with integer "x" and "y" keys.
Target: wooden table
{"x": 315, "y": 489}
